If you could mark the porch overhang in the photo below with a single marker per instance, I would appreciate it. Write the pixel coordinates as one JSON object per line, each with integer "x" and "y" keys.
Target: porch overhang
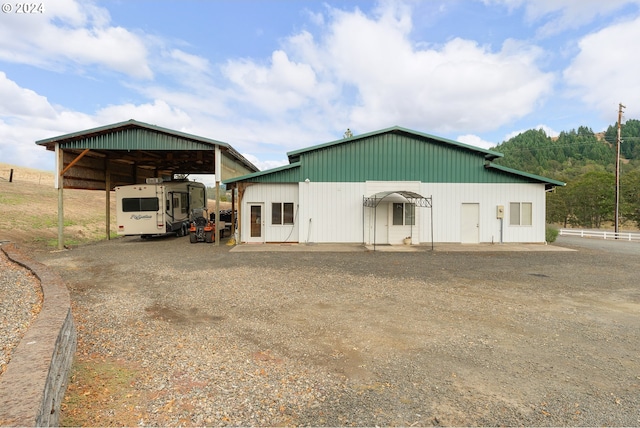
{"x": 412, "y": 197}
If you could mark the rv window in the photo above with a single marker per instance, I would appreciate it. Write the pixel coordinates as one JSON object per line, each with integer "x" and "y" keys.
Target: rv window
{"x": 139, "y": 204}
{"x": 184, "y": 202}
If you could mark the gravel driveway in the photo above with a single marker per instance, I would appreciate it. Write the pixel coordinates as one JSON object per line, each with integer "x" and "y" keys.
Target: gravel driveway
{"x": 193, "y": 334}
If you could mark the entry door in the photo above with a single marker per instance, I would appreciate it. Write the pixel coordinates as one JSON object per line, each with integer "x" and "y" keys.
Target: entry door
{"x": 256, "y": 230}
{"x": 470, "y": 232}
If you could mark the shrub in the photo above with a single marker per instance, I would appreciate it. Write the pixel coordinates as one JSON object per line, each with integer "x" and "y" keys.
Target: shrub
{"x": 551, "y": 233}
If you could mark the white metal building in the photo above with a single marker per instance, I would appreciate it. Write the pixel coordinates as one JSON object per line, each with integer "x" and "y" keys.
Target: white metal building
{"x": 386, "y": 186}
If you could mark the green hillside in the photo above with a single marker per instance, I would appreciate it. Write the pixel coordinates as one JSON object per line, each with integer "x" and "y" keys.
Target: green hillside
{"x": 586, "y": 161}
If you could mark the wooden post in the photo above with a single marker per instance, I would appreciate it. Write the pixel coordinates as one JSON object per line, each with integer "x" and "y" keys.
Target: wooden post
{"x": 11, "y": 176}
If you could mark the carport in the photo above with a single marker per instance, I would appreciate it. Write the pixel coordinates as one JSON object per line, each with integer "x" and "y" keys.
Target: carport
{"x": 130, "y": 152}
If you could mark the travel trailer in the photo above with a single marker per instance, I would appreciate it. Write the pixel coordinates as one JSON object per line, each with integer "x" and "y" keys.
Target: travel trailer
{"x": 158, "y": 207}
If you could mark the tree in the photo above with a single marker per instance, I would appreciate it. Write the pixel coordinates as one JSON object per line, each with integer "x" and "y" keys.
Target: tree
{"x": 630, "y": 196}
{"x": 591, "y": 199}
{"x": 557, "y": 209}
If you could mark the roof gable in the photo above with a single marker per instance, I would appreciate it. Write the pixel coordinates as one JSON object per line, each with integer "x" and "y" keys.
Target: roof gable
{"x": 488, "y": 154}
{"x": 394, "y": 154}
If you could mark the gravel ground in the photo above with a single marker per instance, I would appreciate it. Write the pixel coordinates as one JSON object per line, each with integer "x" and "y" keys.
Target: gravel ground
{"x": 20, "y": 302}
{"x": 173, "y": 333}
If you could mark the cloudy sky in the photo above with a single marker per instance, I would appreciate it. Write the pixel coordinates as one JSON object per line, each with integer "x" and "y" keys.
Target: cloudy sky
{"x": 269, "y": 77}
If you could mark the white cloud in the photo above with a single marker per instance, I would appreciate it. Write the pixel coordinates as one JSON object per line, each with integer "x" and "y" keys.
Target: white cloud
{"x": 562, "y": 15}
{"x": 264, "y": 165}
{"x": 156, "y": 113}
{"x": 21, "y": 102}
{"x": 459, "y": 86}
{"x": 69, "y": 35}
{"x": 474, "y": 140}
{"x": 605, "y": 72}
{"x": 282, "y": 85}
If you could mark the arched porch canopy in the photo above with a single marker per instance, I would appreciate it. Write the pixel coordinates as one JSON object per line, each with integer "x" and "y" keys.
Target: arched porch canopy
{"x": 411, "y": 197}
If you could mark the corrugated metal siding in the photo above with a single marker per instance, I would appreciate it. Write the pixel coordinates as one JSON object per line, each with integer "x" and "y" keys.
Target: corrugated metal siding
{"x": 268, "y": 194}
{"x": 232, "y": 169}
{"x": 292, "y": 175}
{"x": 331, "y": 212}
{"x": 395, "y": 157}
{"x": 136, "y": 139}
{"x": 447, "y": 206}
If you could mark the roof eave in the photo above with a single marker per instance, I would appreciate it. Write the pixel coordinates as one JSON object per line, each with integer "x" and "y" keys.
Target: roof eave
{"x": 549, "y": 182}
{"x": 261, "y": 173}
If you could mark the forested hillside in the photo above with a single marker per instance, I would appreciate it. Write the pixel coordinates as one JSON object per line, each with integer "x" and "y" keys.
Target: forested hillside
{"x": 586, "y": 162}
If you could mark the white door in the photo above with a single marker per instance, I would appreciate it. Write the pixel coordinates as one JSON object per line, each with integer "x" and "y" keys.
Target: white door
{"x": 379, "y": 233}
{"x": 470, "y": 231}
{"x": 256, "y": 223}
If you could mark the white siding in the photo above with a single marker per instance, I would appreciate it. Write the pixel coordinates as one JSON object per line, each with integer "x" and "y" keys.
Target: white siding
{"x": 334, "y": 212}
{"x": 267, "y": 194}
{"x": 447, "y": 206}
{"x": 331, "y": 212}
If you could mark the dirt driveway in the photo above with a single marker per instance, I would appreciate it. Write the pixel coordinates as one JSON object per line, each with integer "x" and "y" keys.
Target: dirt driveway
{"x": 176, "y": 333}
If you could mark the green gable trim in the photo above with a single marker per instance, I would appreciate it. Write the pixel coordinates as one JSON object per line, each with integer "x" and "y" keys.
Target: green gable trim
{"x": 488, "y": 154}
{"x": 536, "y": 178}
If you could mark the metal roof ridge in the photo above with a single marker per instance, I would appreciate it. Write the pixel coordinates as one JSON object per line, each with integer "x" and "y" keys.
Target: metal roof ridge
{"x": 489, "y": 154}
{"x": 132, "y": 123}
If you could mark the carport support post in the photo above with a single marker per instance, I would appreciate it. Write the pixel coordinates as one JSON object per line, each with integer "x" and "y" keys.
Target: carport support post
{"x": 218, "y": 172}
{"x": 58, "y": 184}
{"x": 107, "y": 186}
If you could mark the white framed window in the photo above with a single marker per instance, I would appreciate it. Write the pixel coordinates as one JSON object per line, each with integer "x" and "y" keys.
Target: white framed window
{"x": 282, "y": 213}
{"x": 520, "y": 214}
{"x": 404, "y": 214}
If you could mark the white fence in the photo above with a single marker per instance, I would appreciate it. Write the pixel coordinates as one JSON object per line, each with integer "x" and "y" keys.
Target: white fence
{"x": 602, "y": 234}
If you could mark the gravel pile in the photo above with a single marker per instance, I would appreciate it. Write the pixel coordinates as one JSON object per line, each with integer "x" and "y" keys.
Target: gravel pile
{"x": 177, "y": 334}
{"x": 20, "y": 302}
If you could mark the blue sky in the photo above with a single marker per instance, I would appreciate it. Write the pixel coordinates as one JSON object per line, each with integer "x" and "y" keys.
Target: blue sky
{"x": 269, "y": 77}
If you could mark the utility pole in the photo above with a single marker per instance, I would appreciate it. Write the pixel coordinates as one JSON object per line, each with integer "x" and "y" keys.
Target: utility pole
{"x": 618, "y": 141}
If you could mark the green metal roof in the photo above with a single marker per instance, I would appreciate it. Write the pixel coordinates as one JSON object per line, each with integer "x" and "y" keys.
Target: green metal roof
{"x": 393, "y": 154}
{"x": 489, "y": 154}
{"x": 124, "y": 138}
{"x": 117, "y": 137}
{"x": 536, "y": 178}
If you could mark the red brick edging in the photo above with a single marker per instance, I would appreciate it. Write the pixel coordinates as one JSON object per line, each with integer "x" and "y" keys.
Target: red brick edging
{"x": 34, "y": 383}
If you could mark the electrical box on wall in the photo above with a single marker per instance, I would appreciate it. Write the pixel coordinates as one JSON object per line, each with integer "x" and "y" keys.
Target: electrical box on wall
{"x": 500, "y": 211}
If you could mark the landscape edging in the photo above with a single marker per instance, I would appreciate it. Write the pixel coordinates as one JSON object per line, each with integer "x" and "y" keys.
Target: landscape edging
{"x": 35, "y": 380}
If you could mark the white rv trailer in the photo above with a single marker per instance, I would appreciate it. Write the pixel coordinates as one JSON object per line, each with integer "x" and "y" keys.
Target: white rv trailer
{"x": 158, "y": 207}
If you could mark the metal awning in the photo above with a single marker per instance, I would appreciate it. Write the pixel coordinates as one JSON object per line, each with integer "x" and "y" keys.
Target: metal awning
{"x": 411, "y": 197}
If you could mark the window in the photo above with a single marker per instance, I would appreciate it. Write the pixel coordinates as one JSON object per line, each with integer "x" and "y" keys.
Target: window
{"x": 140, "y": 204}
{"x": 404, "y": 214}
{"x": 282, "y": 213}
{"x": 184, "y": 202}
{"x": 520, "y": 214}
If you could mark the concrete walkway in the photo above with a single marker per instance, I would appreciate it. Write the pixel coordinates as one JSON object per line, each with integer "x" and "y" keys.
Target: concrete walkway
{"x": 346, "y": 248}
